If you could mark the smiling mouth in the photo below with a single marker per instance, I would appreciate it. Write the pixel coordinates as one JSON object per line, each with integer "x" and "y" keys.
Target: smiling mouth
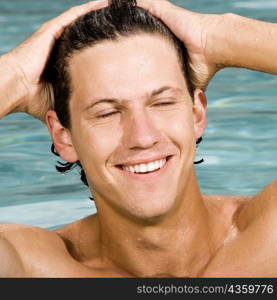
{"x": 145, "y": 168}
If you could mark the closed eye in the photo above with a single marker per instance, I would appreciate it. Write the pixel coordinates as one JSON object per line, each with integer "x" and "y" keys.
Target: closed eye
{"x": 164, "y": 103}
{"x": 107, "y": 115}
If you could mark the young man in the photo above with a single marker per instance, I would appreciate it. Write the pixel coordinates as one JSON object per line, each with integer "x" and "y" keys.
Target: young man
{"x": 132, "y": 125}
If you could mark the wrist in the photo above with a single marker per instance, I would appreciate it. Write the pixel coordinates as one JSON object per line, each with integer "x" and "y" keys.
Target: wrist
{"x": 237, "y": 41}
{"x": 218, "y": 42}
{"x": 12, "y": 87}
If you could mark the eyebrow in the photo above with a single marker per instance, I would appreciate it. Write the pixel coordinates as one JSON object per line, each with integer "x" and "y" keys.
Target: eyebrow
{"x": 154, "y": 93}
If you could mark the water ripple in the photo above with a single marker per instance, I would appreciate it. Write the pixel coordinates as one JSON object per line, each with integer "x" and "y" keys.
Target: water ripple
{"x": 256, "y": 4}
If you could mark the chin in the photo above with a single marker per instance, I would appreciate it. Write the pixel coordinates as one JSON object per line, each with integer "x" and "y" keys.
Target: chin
{"x": 150, "y": 210}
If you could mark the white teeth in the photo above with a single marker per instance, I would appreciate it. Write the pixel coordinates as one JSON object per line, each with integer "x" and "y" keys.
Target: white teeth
{"x": 132, "y": 169}
{"x": 144, "y": 168}
{"x": 151, "y": 167}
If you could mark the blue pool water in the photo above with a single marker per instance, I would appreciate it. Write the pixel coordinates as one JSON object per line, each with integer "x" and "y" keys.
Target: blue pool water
{"x": 239, "y": 145}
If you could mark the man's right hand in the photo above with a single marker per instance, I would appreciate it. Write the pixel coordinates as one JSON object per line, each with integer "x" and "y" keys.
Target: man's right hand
{"x": 26, "y": 63}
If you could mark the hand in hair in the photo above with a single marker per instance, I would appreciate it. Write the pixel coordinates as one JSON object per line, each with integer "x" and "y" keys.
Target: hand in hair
{"x": 217, "y": 41}
{"x": 192, "y": 29}
{"x": 21, "y": 89}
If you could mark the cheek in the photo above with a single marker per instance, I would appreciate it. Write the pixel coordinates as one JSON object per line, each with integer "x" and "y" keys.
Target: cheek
{"x": 179, "y": 125}
{"x": 95, "y": 145}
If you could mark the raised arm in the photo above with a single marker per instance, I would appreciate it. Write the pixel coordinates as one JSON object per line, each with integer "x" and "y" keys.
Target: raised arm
{"x": 218, "y": 41}
{"x": 21, "y": 89}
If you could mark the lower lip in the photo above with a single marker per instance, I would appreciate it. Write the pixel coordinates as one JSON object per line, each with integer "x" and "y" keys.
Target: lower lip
{"x": 150, "y": 175}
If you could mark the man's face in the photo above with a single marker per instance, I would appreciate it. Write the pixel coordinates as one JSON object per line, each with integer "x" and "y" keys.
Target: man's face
{"x": 133, "y": 124}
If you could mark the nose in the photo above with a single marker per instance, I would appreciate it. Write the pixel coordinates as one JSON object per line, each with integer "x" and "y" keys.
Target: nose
{"x": 140, "y": 131}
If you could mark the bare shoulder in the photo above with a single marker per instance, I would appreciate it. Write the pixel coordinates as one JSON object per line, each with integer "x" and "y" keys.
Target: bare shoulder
{"x": 247, "y": 207}
{"x": 226, "y": 198}
{"x": 225, "y": 205}
{"x": 262, "y": 206}
{"x": 251, "y": 250}
{"x": 270, "y": 193}
{"x": 19, "y": 235}
{"x": 23, "y": 246}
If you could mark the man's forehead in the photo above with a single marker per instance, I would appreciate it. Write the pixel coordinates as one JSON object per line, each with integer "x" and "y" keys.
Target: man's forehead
{"x": 137, "y": 46}
{"x": 118, "y": 72}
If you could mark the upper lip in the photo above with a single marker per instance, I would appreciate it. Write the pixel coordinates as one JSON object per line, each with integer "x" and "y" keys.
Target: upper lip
{"x": 143, "y": 160}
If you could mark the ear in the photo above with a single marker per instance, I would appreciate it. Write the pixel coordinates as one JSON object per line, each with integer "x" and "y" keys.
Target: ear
{"x": 61, "y": 137}
{"x": 199, "y": 112}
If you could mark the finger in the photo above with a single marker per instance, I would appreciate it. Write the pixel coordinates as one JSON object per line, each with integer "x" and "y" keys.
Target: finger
{"x": 157, "y": 8}
{"x": 58, "y": 24}
{"x": 175, "y": 17}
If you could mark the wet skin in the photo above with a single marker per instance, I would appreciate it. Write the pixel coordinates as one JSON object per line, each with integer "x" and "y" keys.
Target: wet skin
{"x": 130, "y": 106}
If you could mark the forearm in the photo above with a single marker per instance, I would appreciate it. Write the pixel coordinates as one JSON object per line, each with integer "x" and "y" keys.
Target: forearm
{"x": 247, "y": 43}
{"x": 12, "y": 90}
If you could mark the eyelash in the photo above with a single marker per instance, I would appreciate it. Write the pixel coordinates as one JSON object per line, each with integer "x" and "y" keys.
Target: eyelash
{"x": 107, "y": 115}
{"x": 115, "y": 112}
{"x": 164, "y": 103}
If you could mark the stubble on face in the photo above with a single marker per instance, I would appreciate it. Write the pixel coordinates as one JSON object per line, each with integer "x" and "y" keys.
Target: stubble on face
{"x": 132, "y": 124}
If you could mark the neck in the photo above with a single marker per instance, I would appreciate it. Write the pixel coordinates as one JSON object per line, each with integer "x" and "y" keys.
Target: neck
{"x": 178, "y": 245}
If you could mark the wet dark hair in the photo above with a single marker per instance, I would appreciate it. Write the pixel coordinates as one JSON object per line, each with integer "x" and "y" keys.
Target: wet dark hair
{"x": 122, "y": 18}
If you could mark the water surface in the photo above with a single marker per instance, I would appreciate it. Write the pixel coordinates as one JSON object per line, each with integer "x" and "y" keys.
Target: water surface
{"x": 239, "y": 146}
